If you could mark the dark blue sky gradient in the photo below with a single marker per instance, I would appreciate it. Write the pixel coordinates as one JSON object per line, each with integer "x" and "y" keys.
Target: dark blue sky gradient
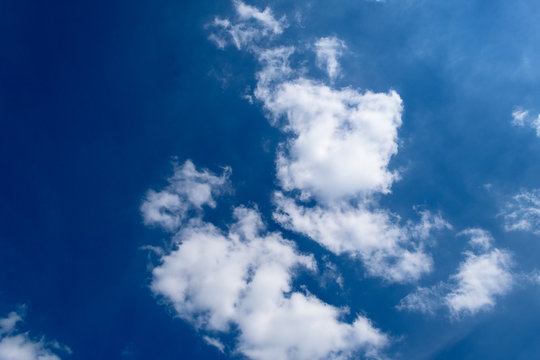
{"x": 98, "y": 97}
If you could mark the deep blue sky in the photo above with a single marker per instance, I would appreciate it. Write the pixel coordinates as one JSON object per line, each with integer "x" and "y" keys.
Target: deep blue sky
{"x": 97, "y": 98}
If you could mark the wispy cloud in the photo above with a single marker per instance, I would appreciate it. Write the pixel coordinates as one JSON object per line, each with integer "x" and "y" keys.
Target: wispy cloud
{"x": 215, "y": 343}
{"x": 328, "y": 51}
{"x": 250, "y": 26}
{"x": 523, "y": 118}
{"x": 478, "y": 238}
{"x": 522, "y": 213}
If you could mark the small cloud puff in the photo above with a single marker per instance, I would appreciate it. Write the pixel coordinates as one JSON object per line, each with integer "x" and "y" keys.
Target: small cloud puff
{"x": 188, "y": 189}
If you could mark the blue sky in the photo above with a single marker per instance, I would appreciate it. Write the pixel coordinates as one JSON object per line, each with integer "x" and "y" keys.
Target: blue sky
{"x": 269, "y": 180}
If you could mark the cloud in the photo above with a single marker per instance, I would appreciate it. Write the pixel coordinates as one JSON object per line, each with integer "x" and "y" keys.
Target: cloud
{"x": 215, "y": 343}
{"x": 522, "y": 213}
{"x": 9, "y": 323}
{"x": 479, "y": 280}
{"x": 374, "y": 236}
{"x": 341, "y": 140}
{"x": 328, "y": 50}
{"x": 242, "y": 279}
{"x": 518, "y": 117}
{"x": 250, "y": 26}
{"x": 336, "y": 158}
{"x": 265, "y": 17}
{"x": 20, "y": 346}
{"x": 478, "y": 238}
{"x": 188, "y": 189}
{"x": 522, "y": 118}
{"x": 425, "y": 300}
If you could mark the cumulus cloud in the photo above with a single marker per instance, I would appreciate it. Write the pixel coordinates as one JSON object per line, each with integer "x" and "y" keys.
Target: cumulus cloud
{"x": 374, "y": 236}
{"x": 480, "y": 279}
{"x": 188, "y": 189}
{"x": 15, "y": 345}
{"x": 242, "y": 279}
{"x": 338, "y": 153}
{"x": 341, "y": 139}
{"x": 341, "y": 142}
{"x": 523, "y": 212}
{"x": 250, "y": 25}
{"x": 328, "y": 50}
{"x": 523, "y": 118}
{"x": 336, "y": 158}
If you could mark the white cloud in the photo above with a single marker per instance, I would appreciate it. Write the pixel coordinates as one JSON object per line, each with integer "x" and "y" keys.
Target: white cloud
{"x": 328, "y": 50}
{"x": 250, "y": 26}
{"x": 242, "y": 279}
{"x": 265, "y": 17}
{"x": 479, "y": 280}
{"x": 188, "y": 189}
{"x": 386, "y": 248}
{"x": 276, "y": 69}
{"x": 341, "y": 140}
{"x": 215, "y": 343}
{"x": 518, "y": 116}
{"x": 479, "y": 238}
{"x": 9, "y": 323}
{"x": 523, "y": 212}
{"x": 522, "y": 118}
{"x": 340, "y": 145}
{"x": 19, "y": 346}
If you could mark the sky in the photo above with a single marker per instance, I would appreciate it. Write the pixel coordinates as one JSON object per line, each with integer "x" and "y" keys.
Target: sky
{"x": 269, "y": 180}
